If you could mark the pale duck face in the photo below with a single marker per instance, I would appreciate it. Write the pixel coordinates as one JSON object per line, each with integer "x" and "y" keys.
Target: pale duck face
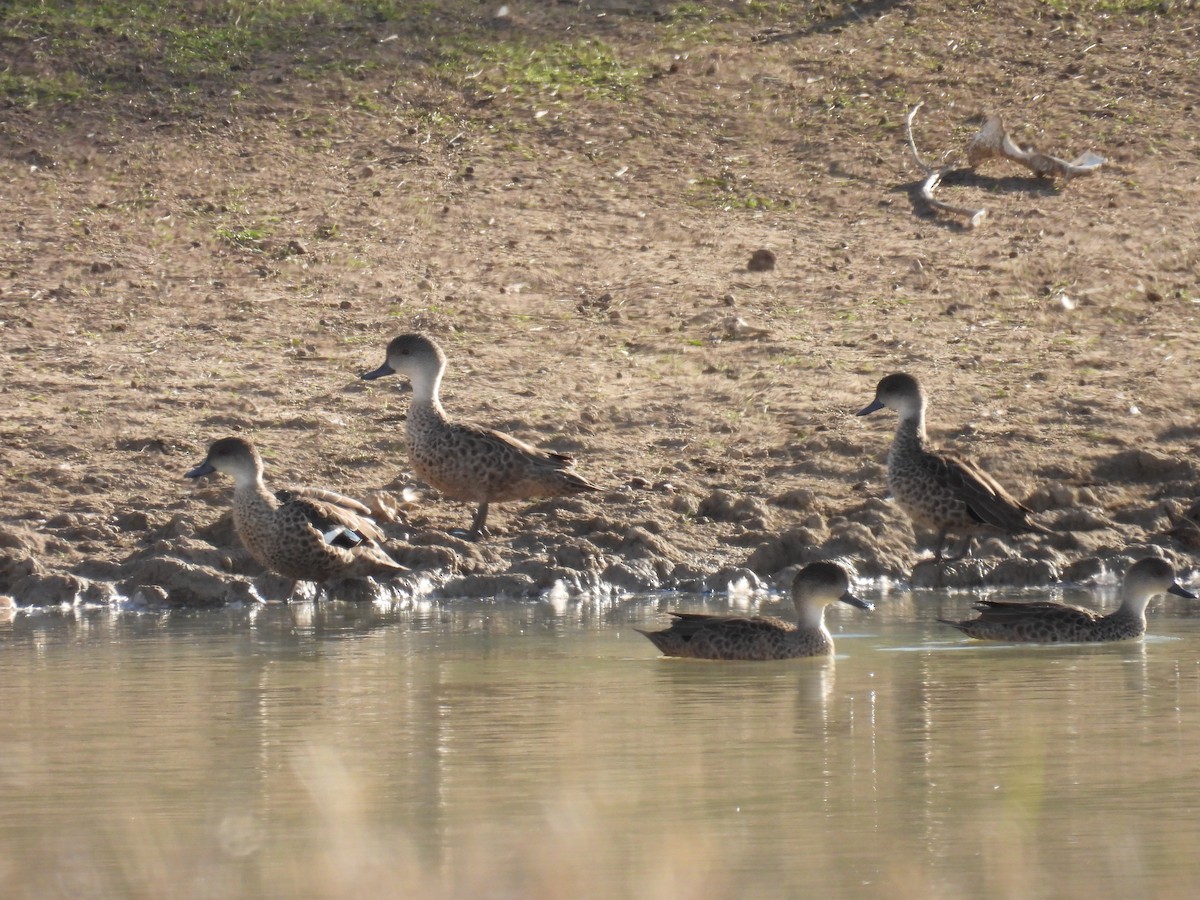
{"x": 820, "y": 583}
{"x": 898, "y": 392}
{"x": 231, "y": 456}
{"x": 1148, "y": 578}
{"x": 414, "y": 356}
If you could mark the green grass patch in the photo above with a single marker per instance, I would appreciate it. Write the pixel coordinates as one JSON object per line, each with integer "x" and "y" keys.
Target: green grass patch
{"x": 60, "y": 52}
{"x": 242, "y": 238}
{"x": 728, "y": 190}
{"x": 585, "y": 67}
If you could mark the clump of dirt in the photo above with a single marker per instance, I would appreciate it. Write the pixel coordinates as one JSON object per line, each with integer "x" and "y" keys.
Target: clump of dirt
{"x": 178, "y": 263}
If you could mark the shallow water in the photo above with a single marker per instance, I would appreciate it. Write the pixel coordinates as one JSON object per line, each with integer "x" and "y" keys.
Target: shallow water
{"x": 472, "y": 749}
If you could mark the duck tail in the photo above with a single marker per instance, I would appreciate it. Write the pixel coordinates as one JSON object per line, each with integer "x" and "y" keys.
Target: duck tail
{"x": 580, "y": 485}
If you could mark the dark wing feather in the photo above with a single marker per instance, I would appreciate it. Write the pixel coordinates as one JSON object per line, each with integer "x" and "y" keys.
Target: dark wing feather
{"x": 687, "y": 625}
{"x": 1005, "y": 611}
{"x": 327, "y": 516}
{"x": 550, "y": 457}
{"x": 560, "y": 461}
{"x": 324, "y": 496}
{"x": 986, "y": 499}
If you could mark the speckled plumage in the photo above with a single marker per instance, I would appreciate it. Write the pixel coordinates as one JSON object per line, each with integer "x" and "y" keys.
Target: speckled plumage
{"x": 1044, "y": 622}
{"x": 939, "y": 491}
{"x": 307, "y": 534}
{"x": 466, "y": 461}
{"x": 701, "y": 636}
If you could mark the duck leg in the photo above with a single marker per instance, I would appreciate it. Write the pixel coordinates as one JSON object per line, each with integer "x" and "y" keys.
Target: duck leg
{"x": 964, "y": 549}
{"x": 941, "y": 545}
{"x": 479, "y": 523}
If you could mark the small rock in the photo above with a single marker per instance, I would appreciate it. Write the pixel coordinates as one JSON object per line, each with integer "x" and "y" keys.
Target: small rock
{"x": 1084, "y": 571}
{"x": 799, "y": 499}
{"x": 723, "y": 579}
{"x": 962, "y": 574}
{"x": 577, "y": 556}
{"x": 1082, "y": 519}
{"x": 52, "y": 589}
{"x": 634, "y": 576}
{"x": 186, "y": 584}
{"x": 16, "y": 565}
{"x": 640, "y": 543}
{"x": 793, "y": 547}
{"x": 1024, "y": 573}
{"x": 723, "y": 506}
{"x": 132, "y": 521}
{"x": 427, "y": 556}
{"x": 761, "y": 261}
{"x": 151, "y": 595}
{"x": 16, "y": 538}
{"x": 1053, "y": 495}
{"x": 1142, "y": 465}
{"x": 687, "y": 577}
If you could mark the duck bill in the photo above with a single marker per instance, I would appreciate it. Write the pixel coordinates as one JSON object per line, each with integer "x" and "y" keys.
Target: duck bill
{"x": 1181, "y": 592}
{"x": 205, "y": 468}
{"x": 871, "y": 407}
{"x": 856, "y": 601}
{"x": 383, "y": 370}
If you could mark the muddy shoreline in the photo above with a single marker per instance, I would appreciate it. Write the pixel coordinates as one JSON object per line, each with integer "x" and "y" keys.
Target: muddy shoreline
{"x": 179, "y": 265}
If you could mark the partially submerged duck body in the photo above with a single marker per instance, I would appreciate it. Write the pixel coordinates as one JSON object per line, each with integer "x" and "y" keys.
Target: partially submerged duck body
{"x": 1044, "y": 622}
{"x": 702, "y": 636}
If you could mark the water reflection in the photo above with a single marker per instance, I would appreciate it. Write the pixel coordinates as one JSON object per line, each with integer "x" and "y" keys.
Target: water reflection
{"x": 475, "y": 748}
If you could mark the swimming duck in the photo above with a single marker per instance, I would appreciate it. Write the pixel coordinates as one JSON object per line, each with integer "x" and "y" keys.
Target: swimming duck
{"x": 1050, "y": 623}
{"x": 701, "y": 636}
{"x": 940, "y": 491}
{"x": 307, "y": 534}
{"x": 465, "y": 461}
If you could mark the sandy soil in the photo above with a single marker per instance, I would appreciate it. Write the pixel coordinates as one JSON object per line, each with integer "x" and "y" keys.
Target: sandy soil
{"x": 174, "y": 272}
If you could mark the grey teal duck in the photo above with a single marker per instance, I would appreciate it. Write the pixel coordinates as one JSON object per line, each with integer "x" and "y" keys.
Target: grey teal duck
{"x": 701, "y": 636}
{"x": 939, "y": 491}
{"x": 306, "y": 534}
{"x": 1050, "y": 623}
{"x": 465, "y": 461}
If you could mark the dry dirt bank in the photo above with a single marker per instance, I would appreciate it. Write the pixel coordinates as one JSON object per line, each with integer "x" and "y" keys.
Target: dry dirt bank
{"x": 170, "y": 275}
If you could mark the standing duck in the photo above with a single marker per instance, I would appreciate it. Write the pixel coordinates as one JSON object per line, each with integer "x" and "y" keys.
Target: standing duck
{"x": 701, "y": 636}
{"x": 940, "y": 491}
{"x": 306, "y": 534}
{"x": 466, "y": 461}
{"x": 1051, "y": 623}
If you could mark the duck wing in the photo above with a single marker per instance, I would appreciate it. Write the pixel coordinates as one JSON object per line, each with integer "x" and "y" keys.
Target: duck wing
{"x": 324, "y": 496}
{"x": 1008, "y": 611}
{"x": 687, "y": 625}
{"x": 515, "y": 445}
{"x": 341, "y": 520}
{"x": 524, "y": 454}
{"x": 986, "y": 499}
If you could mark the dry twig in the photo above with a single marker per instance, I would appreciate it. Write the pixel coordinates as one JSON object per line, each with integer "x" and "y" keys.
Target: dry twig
{"x": 992, "y": 141}
{"x": 934, "y": 178}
